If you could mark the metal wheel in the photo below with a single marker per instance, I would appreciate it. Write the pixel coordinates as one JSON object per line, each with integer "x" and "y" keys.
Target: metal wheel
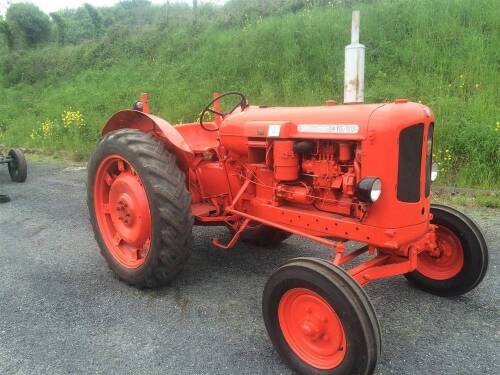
{"x": 312, "y": 328}
{"x": 462, "y": 258}
{"x": 320, "y": 320}
{"x": 122, "y": 211}
{"x": 448, "y": 262}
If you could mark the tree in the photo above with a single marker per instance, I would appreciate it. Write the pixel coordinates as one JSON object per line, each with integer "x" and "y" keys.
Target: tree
{"x": 95, "y": 18}
{"x": 5, "y": 30}
{"x": 60, "y": 27}
{"x": 195, "y": 12}
{"x": 28, "y": 24}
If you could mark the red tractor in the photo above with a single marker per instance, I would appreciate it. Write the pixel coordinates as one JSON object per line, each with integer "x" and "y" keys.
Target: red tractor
{"x": 331, "y": 174}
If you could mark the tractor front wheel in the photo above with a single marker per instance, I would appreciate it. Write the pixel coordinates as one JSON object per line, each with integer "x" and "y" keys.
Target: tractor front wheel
{"x": 139, "y": 208}
{"x": 320, "y": 320}
{"x": 462, "y": 260}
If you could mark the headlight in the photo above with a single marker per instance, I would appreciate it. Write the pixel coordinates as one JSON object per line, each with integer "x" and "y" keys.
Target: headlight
{"x": 369, "y": 189}
{"x": 434, "y": 172}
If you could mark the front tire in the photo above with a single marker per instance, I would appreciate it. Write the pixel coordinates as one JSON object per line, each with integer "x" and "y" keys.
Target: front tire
{"x": 320, "y": 320}
{"x": 139, "y": 208}
{"x": 463, "y": 259}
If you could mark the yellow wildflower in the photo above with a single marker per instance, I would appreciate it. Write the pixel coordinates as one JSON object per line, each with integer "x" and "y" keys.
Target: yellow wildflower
{"x": 47, "y": 128}
{"x": 72, "y": 118}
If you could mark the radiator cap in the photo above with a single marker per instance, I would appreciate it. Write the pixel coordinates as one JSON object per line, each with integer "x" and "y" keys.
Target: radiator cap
{"x": 401, "y": 101}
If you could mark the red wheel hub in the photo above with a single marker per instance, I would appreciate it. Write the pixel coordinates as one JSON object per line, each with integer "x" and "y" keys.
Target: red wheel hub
{"x": 447, "y": 261}
{"x": 122, "y": 211}
{"x": 312, "y": 328}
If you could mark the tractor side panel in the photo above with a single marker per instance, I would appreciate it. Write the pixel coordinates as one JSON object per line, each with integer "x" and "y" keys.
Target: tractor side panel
{"x": 212, "y": 180}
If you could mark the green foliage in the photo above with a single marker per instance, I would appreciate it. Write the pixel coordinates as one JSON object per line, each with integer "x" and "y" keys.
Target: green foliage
{"x": 488, "y": 200}
{"x": 5, "y": 30}
{"x": 60, "y": 27}
{"x": 28, "y": 24}
{"x": 95, "y": 18}
{"x": 238, "y": 12}
{"x": 442, "y": 53}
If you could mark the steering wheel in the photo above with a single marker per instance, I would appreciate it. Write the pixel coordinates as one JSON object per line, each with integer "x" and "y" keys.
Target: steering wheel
{"x": 243, "y": 103}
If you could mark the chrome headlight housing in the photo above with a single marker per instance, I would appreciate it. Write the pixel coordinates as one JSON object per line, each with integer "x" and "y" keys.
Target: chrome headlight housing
{"x": 369, "y": 189}
{"x": 434, "y": 172}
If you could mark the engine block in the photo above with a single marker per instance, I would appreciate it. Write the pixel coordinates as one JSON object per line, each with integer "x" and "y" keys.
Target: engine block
{"x": 321, "y": 173}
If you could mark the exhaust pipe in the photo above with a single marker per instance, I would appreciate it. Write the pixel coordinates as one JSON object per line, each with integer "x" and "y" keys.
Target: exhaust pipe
{"x": 354, "y": 70}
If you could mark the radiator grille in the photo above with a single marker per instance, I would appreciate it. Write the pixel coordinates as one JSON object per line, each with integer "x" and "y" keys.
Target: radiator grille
{"x": 428, "y": 160}
{"x": 409, "y": 163}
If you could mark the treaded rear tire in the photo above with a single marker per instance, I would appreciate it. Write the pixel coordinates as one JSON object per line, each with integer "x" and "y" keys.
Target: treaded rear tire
{"x": 169, "y": 204}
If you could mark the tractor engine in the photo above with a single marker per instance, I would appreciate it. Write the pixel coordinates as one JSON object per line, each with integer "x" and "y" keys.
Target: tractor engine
{"x": 321, "y": 173}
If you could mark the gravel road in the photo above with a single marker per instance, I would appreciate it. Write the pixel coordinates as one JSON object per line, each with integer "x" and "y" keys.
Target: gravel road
{"x": 62, "y": 311}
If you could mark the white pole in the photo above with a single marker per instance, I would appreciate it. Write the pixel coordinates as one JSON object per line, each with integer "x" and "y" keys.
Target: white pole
{"x": 354, "y": 71}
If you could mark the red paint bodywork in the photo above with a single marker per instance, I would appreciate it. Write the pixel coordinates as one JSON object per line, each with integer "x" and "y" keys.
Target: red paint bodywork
{"x": 241, "y": 174}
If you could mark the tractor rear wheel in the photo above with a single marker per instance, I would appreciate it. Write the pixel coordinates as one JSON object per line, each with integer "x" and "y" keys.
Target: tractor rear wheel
{"x": 264, "y": 235}
{"x": 18, "y": 168}
{"x": 139, "y": 208}
{"x": 320, "y": 320}
{"x": 463, "y": 256}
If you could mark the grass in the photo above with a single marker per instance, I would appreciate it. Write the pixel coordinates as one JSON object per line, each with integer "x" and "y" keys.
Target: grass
{"x": 442, "y": 53}
{"x": 469, "y": 199}
{"x": 489, "y": 201}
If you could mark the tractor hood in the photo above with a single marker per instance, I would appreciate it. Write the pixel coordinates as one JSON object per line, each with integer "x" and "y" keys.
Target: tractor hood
{"x": 335, "y": 122}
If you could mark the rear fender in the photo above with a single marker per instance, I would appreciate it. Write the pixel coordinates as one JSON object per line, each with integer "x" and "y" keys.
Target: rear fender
{"x": 147, "y": 123}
